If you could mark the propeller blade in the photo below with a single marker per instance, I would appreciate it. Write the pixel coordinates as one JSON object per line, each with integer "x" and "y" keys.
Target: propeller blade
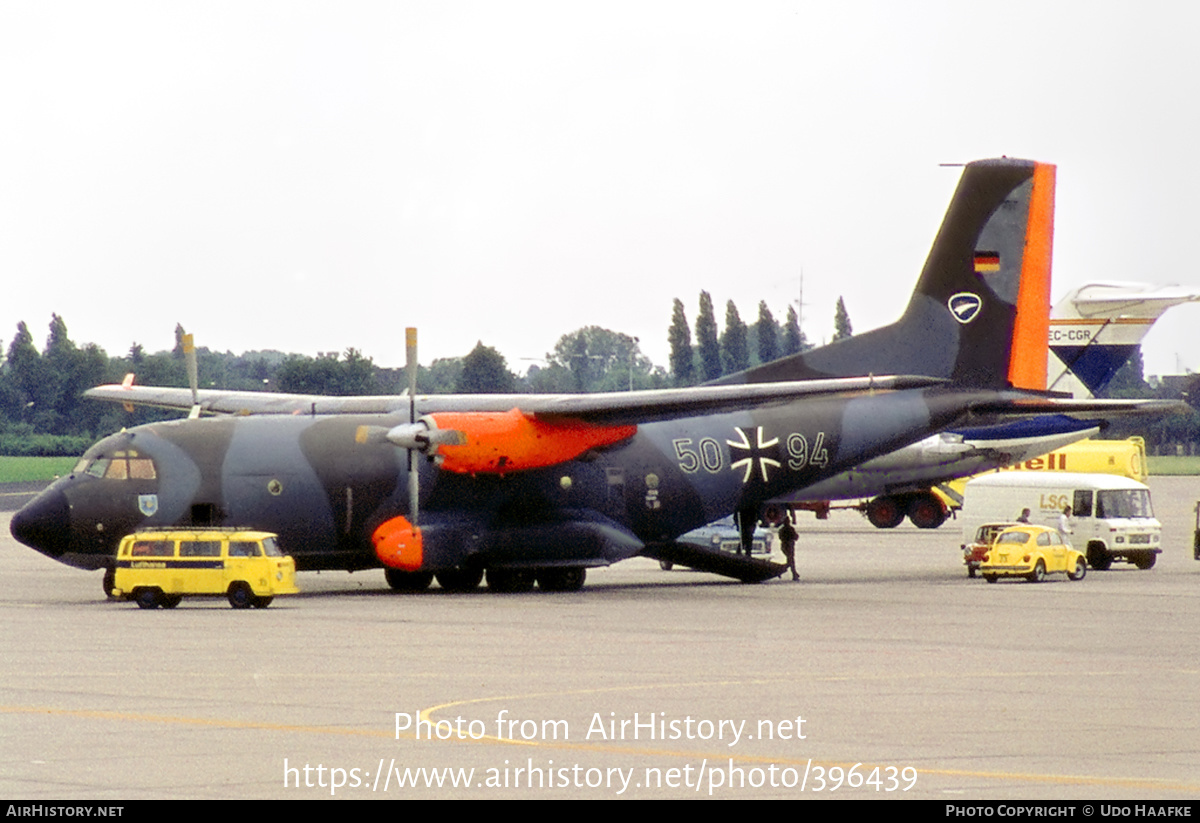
{"x": 414, "y": 479}
{"x": 193, "y": 374}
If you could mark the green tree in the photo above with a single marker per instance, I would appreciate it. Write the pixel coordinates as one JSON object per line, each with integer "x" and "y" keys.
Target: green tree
{"x": 329, "y": 375}
{"x": 706, "y": 338}
{"x": 441, "y": 376}
{"x": 793, "y": 338}
{"x": 485, "y": 371}
{"x": 767, "y": 333}
{"x": 597, "y": 359}
{"x": 734, "y": 349}
{"x": 683, "y": 363}
{"x": 28, "y": 379}
{"x": 69, "y": 372}
{"x": 841, "y": 322}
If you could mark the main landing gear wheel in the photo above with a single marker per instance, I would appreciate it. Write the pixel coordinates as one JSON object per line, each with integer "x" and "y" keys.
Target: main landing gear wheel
{"x": 460, "y": 580}
{"x": 885, "y": 512}
{"x": 510, "y": 580}
{"x": 561, "y": 579}
{"x": 402, "y": 581}
{"x": 926, "y": 512}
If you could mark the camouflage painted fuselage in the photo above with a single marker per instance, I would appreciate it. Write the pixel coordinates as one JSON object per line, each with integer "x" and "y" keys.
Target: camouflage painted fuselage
{"x": 325, "y": 492}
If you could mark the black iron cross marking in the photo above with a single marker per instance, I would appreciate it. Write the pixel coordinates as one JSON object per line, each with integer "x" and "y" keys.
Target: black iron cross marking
{"x": 754, "y": 453}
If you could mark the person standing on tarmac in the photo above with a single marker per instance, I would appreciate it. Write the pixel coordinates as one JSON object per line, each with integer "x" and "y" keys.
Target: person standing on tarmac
{"x": 787, "y": 540}
{"x": 1064, "y": 525}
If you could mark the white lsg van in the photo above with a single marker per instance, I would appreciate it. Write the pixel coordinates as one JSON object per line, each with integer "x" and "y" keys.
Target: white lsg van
{"x": 1112, "y": 518}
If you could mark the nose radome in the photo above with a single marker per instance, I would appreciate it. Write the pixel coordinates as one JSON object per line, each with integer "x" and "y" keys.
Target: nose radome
{"x": 44, "y": 523}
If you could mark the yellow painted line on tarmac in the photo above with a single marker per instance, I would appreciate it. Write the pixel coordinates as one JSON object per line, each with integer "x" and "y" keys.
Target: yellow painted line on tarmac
{"x": 721, "y": 757}
{"x": 608, "y": 749}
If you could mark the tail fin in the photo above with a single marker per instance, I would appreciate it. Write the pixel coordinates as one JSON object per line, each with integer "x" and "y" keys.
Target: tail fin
{"x": 1097, "y": 327}
{"x": 981, "y": 310}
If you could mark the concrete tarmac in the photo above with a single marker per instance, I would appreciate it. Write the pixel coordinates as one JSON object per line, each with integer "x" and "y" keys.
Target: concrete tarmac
{"x": 884, "y": 673}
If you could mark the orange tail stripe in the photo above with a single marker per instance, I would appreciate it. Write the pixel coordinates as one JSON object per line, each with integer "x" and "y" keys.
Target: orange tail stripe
{"x": 1027, "y": 363}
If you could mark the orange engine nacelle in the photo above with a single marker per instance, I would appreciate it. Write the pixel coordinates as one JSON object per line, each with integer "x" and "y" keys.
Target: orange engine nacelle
{"x": 398, "y": 544}
{"x": 500, "y": 442}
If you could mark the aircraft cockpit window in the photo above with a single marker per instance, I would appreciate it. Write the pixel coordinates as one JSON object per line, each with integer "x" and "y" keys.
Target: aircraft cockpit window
{"x": 80, "y": 466}
{"x": 141, "y": 468}
{"x": 122, "y": 466}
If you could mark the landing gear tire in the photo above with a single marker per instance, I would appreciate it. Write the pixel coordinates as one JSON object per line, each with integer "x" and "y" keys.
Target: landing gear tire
{"x": 109, "y": 582}
{"x": 1038, "y": 574}
{"x": 1099, "y": 558}
{"x": 509, "y": 581}
{"x": 148, "y": 598}
{"x": 460, "y": 580}
{"x": 885, "y": 512}
{"x": 1079, "y": 571}
{"x": 402, "y": 581}
{"x": 926, "y": 512}
{"x": 1144, "y": 561}
{"x": 241, "y": 596}
{"x": 561, "y": 579}
{"x": 666, "y": 565}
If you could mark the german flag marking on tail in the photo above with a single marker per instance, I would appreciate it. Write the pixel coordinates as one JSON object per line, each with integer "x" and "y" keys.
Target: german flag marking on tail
{"x": 986, "y": 261}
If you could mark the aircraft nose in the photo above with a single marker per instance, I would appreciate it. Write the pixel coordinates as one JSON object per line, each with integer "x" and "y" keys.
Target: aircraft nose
{"x": 44, "y": 523}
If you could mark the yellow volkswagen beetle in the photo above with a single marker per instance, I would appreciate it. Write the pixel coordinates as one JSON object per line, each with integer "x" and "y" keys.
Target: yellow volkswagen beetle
{"x": 1031, "y": 552}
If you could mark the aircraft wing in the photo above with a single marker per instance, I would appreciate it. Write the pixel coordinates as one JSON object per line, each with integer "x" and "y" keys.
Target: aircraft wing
{"x": 1092, "y": 409}
{"x": 612, "y": 407}
{"x": 606, "y": 407}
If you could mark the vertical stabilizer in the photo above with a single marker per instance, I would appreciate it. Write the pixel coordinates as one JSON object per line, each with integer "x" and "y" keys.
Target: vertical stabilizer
{"x": 979, "y": 315}
{"x": 1096, "y": 328}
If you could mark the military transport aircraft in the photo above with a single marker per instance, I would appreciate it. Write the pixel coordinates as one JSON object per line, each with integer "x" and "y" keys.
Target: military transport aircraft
{"x": 539, "y": 488}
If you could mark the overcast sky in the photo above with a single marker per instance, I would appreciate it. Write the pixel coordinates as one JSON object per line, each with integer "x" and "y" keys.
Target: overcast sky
{"x": 310, "y": 176}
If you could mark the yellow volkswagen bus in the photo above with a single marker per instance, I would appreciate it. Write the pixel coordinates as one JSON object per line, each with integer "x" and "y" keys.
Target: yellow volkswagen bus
{"x": 157, "y": 568}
